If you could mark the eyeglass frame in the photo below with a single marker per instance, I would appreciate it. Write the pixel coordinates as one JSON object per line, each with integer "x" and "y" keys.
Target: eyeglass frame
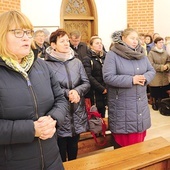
{"x": 24, "y": 32}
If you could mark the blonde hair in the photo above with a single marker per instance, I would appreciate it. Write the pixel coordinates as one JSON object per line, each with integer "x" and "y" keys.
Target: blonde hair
{"x": 127, "y": 31}
{"x": 7, "y": 21}
{"x": 94, "y": 38}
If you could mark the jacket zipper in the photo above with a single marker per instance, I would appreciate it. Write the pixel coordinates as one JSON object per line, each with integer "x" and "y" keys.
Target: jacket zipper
{"x": 71, "y": 104}
{"x": 36, "y": 114}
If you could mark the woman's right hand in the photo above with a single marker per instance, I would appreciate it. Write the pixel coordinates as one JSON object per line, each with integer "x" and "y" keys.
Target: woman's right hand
{"x": 139, "y": 79}
{"x": 105, "y": 91}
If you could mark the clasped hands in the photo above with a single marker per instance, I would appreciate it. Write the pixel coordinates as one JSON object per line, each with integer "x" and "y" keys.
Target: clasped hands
{"x": 45, "y": 127}
{"x": 73, "y": 96}
{"x": 139, "y": 79}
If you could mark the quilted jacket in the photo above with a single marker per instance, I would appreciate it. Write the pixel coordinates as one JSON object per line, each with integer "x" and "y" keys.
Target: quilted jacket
{"x": 21, "y": 103}
{"x": 71, "y": 75}
{"x": 127, "y": 103}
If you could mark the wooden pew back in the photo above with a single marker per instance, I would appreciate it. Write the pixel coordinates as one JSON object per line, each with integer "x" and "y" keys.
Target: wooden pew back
{"x": 144, "y": 156}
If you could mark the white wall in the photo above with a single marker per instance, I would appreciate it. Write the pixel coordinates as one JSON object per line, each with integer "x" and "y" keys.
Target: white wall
{"x": 111, "y": 15}
{"x": 162, "y": 17}
{"x": 42, "y": 12}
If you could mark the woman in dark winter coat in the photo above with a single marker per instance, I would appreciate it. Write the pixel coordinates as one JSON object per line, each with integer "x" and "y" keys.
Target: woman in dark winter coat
{"x": 32, "y": 103}
{"x": 73, "y": 80}
{"x": 127, "y": 71}
{"x": 93, "y": 64}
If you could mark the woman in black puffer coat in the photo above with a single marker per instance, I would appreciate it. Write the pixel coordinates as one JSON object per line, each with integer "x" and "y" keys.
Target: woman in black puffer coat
{"x": 93, "y": 64}
{"x": 32, "y": 103}
{"x": 73, "y": 79}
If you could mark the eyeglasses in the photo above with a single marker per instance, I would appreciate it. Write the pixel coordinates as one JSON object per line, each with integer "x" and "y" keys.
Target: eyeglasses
{"x": 19, "y": 33}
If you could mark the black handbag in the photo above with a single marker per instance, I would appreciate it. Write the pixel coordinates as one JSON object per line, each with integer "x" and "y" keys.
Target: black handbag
{"x": 164, "y": 107}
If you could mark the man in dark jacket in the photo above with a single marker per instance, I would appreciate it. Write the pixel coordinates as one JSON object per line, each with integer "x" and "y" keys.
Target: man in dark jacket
{"x": 75, "y": 43}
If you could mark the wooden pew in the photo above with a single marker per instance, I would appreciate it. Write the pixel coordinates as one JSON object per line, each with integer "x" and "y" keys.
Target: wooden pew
{"x": 87, "y": 144}
{"x": 148, "y": 155}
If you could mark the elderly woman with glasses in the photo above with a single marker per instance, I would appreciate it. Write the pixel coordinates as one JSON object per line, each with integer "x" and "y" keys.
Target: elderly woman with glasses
{"x": 32, "y": 103}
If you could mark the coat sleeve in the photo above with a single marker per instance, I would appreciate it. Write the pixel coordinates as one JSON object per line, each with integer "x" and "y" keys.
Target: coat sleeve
{"x": 84, "y": 87}
{"x": 89, "y": 68}
{"x": 60, "y": 106}
{"x": 150, "y": 73}
{"x": 16, "y": 131}
{"x": 110, "y": 75}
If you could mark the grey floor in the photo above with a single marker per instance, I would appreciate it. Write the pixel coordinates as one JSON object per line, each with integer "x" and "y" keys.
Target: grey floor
{"x": 160, "y": 126}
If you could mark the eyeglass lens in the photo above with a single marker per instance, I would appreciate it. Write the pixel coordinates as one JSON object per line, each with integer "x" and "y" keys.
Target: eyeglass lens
{"x": 19, "y": 33}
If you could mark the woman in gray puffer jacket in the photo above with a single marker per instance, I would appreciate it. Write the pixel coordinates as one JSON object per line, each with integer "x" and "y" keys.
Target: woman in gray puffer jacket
{"x": 127, "y": 71}
{"x": 73, "y": 80}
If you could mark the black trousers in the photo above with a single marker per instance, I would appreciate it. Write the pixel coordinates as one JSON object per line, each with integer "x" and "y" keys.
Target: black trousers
{"x": 68, "y": 147}
{"x": 102, "y": 111}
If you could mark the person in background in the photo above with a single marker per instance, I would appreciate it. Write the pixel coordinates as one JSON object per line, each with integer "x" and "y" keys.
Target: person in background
{"x": 74, "y": 81}
{"x": 142, "y": 42}
{"x": 148, "y": 42}
{"x": 47, "y": 36}
{"x": 41, "y": 45}
{"x": 93, "y": 64}
{"x": 151, "y": 45}
{"x": 75, "y": 43}
{"x": 161, "y": 63}
{"x": 32, "y": 102}
{"x": 167, "y": 44}
{"x": 126, "y": 72}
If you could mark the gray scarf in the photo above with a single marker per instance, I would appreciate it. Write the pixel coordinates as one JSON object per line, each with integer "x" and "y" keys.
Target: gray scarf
{"x": 128, "y": 53}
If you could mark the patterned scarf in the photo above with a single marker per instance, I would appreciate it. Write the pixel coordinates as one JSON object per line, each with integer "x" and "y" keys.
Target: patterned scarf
{"x": 22, "y": 67}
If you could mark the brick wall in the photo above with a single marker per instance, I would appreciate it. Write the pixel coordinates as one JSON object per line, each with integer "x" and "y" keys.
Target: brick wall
{"x": 140, "y": 15}
{"x": 6, "y": 5}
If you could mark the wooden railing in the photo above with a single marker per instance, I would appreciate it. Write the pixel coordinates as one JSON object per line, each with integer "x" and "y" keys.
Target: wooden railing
{"x": 152, "y": 154}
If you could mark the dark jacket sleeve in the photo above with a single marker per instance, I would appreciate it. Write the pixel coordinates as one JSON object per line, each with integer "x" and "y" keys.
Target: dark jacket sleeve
{"x": 89, "y": 69}
{"x": 60, "y": 107}
{"x": 16, "y": 131}
{"x": 84, "y": 87}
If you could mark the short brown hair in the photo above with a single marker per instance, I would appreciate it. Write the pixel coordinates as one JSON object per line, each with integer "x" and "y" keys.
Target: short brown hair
{"x": 58, "y": 33}
{"x": 158, "y": 39}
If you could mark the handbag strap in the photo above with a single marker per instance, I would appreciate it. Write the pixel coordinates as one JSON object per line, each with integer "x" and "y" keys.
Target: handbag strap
{"x": 103, "y": 133}
{"x": 103, "y": 129}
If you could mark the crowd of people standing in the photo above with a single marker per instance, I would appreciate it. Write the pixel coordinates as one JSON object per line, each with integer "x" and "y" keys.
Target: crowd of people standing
{"x": 52, "y": 76}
